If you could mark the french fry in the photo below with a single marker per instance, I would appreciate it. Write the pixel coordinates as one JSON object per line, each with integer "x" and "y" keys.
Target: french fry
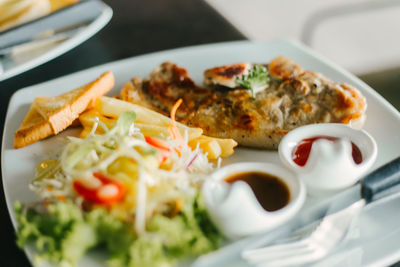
{"x": 152, "y": 130}
{"x": 87, "y": 118}
{"x": 226, "y": 145}
{"x": 112, "y": 107}
{"x": 151, "y": 123}
{"x": 155, "y": 130}
{"x": 211, "y": 147}
{"x": 86, "y": 131}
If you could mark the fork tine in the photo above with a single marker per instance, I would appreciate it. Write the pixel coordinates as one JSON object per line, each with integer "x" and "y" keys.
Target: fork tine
{"x": 275, "y": 249}
{"x": 285, "y": 256}
{"x": 279, "y": 251}
{"x": 305, "y": 250}
{"x": 330, "y": 232}
{"x": 292, "y": 261}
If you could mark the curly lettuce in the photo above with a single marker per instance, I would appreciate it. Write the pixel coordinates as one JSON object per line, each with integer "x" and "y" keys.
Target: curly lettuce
{"x": 64, "y": 233}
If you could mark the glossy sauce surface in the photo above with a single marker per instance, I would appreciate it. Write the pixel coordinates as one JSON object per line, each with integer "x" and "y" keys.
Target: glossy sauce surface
{"x": 271, "y": 192}
{"x": 302, "y": 151}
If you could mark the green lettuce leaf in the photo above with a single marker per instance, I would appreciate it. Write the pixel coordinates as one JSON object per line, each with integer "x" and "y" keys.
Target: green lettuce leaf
{"x": 64, "y": 233}
{"x": 124, "y": 123}
{"x": 61, "y": 235}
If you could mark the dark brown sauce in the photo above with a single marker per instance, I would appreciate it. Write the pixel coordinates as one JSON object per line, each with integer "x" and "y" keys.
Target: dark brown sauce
{"x": 271, "y": 192}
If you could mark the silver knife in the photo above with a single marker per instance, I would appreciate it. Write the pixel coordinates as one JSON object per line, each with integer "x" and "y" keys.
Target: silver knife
{"x": 382, "y": 183}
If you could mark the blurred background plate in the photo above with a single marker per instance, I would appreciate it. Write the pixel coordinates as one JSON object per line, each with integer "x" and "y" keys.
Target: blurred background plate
{"x": 31, "y": 44}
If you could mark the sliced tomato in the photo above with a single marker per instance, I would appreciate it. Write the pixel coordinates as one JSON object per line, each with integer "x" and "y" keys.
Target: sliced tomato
{"x": 83, "y": 191}
{"x": 110, "y": 197}
{"x": 109, "y": 192}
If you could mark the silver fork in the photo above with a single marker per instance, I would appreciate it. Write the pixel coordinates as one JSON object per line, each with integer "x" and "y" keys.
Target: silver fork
{"x": 326, "y": 236}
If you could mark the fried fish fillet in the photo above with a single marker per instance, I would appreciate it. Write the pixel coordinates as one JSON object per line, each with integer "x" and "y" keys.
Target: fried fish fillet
{"x": 293, "y": 97}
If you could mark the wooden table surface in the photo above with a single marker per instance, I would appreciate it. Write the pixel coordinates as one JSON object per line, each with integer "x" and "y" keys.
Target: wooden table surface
{"x": 137, "y": 27}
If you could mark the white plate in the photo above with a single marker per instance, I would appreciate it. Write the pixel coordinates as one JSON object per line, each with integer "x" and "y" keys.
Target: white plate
{"x": 380, "y": 229}
{"x": 10, "y": 67}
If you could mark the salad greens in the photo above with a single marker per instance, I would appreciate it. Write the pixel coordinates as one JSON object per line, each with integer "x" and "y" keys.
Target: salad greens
{"x": 114, "y": 191}
{"x": 62, "y": 235}
{"x": 258, "y": 77}
{"x": 66, "y": 233}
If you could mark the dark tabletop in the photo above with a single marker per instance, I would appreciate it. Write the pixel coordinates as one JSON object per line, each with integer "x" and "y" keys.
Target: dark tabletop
{"x": 137, "y": 27}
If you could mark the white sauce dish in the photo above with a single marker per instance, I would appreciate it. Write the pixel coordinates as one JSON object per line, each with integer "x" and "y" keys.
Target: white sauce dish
{"x": 328, "y": 157}
{"x": 249, "y": 198}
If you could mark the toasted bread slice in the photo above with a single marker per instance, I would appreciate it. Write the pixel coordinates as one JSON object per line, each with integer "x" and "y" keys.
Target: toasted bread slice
{"x": 60, "y": 111}
{"x": 33, "y": 128}
{"x": 50, "y": 115}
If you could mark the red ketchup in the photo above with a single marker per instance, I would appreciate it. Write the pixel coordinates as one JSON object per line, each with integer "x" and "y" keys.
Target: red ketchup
{"x": 301, "y": 152}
